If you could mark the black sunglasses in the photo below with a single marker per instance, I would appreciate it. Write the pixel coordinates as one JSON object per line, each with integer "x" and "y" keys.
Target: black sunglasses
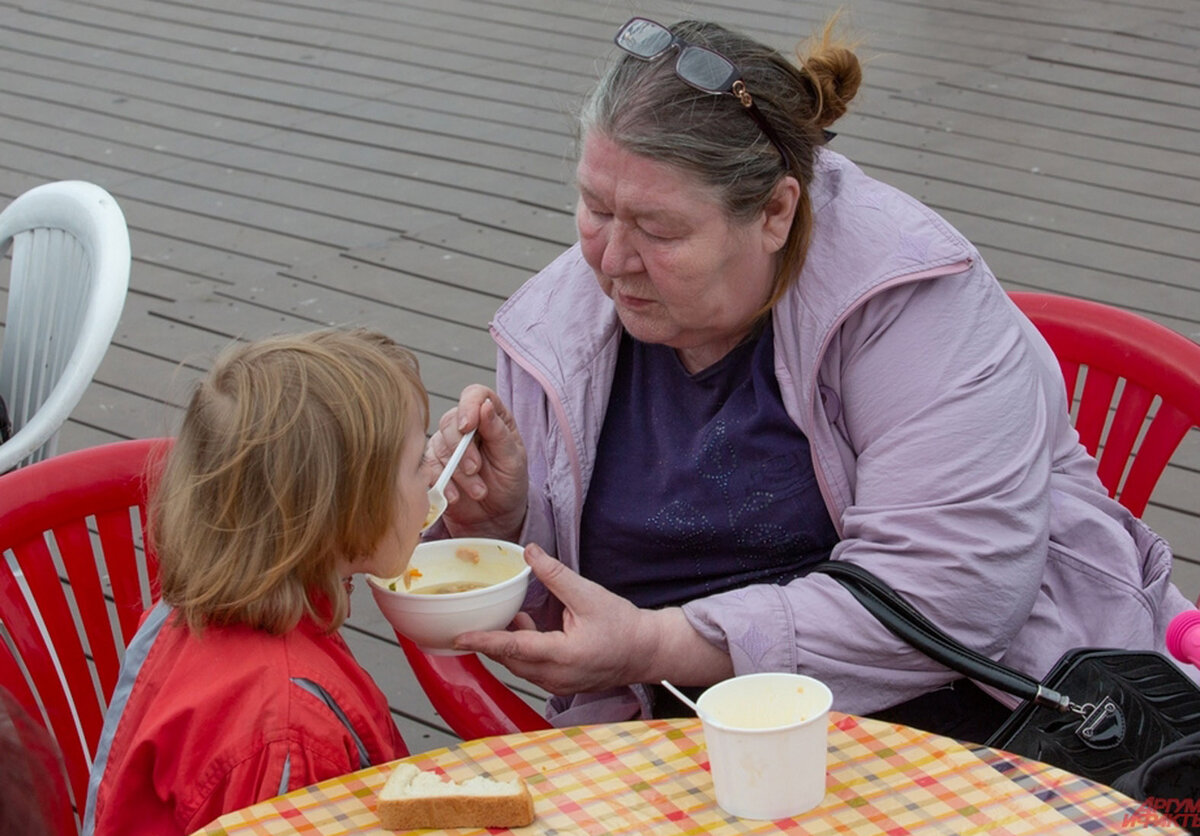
{"x": 698, "y": 66}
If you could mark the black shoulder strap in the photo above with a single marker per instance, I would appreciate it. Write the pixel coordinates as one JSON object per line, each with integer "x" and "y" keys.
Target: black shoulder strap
{"x": 899, "y": 616}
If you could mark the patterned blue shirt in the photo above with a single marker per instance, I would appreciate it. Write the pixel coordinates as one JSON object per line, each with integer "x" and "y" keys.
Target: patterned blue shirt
{"x": 702, "y": 482}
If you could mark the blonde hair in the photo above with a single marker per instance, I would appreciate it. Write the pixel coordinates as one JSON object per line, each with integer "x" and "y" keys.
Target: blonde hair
{"x": 644, "y": 107}
{"x": 286, "y": 462}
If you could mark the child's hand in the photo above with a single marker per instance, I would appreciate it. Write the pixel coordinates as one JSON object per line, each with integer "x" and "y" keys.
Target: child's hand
{"x": 488, "y": 493}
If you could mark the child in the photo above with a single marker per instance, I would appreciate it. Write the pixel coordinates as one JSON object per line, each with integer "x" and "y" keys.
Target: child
{"x": 31, "y": 783}
{"x": 299, "y": 463}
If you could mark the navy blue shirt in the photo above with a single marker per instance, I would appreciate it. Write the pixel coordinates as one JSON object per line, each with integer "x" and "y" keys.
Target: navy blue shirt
{"x": 702, "y": 482}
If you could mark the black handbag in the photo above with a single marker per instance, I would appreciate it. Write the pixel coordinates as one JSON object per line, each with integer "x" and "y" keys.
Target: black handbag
{"x": 1099, "y": 713}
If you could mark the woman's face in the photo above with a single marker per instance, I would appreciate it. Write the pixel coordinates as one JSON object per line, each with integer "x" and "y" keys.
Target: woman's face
{"x": 678, "y": 270}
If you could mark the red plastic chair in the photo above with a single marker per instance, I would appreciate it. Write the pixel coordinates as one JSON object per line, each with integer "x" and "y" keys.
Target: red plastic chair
{"x": 74, "y": 525}
{"x": 472, "y": 701}
{"x": 1155, "y": 363}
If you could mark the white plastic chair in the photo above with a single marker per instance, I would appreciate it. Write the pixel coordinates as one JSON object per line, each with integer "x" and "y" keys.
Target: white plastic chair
{"x": 67, "y": 287}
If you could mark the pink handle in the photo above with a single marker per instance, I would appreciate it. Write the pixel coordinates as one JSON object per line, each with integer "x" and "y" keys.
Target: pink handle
{"x": 1183, "y": 637}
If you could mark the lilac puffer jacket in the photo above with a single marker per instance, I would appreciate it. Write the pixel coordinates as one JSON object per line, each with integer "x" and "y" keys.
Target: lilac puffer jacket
{"x": 940, "y": 438}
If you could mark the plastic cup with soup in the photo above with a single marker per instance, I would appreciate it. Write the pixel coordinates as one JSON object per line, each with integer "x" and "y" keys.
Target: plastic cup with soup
{"x": 767, "y": 736}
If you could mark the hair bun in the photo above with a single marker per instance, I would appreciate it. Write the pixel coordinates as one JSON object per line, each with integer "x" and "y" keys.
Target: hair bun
{"x": 835, "y": 73}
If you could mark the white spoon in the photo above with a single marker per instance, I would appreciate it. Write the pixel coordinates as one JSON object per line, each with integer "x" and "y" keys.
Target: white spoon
{"x": 683, "y": 698}
{"x": 437, "y": 494}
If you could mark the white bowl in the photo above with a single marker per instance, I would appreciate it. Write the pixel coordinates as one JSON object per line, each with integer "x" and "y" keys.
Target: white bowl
{"x": 432, "y": 620}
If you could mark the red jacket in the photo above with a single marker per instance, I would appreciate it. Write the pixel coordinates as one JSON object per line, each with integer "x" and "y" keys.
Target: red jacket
{"x": 199, "y": 726}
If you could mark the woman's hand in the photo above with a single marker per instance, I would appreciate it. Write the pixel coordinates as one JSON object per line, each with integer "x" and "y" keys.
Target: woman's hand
{"x": 605, "y": 640}
{"x": 488, "y": 493}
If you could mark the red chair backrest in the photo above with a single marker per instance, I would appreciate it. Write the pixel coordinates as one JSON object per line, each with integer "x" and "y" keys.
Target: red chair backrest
{"x": 1157, "y": 365}
{"x": 75, "y": 524}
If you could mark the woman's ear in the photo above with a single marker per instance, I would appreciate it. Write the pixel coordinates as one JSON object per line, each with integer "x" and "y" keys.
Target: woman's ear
{"x": 779, "y": 212}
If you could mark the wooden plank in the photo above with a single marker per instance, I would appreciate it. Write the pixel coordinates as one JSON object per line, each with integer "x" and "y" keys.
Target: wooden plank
{"x": 1159, "y": 88}
{"x": 225, "y": 226}
{"x": 200, "y": 101}
{"x": 203, "y": 220}
{"x": 170, "y": 332}
{"x": 76, "y": 436}
{"x": 483, "y": 274}
{"x": 1036, "y": 104}
{"x": 1173, "y": 305}
{"x": 1065, "y": 205}
{"x": 1100, "y": 66}
{"x": 457, "y": 27}
{"x": 495, "y": 243}
{"x": 1043, "y": 230}
{"x": 329, "y": 175}
{"x": 267, "y": 68}
{"x": 1112, "y": 165}
{"x": 1178, "y": 528}
{"x": 511, "y": 172}
{"x": 345, "y": 43}
{"x": 236, "y": 319}
{"x": 1187, "y": 577}
{"x": 1179, "y": 532}
{"x": 1157, "y": 40}
{"x": 329, "y": 204}
{"x": 386, "y": 276}
{"x": 1037, "y": 21}
{"x": 168, "y": 268}
{"x": 301, "y": 221}
{"x": 1012, "y": 28}
{"x": 73, "y": 111}
{"x": 444, "y": 29}
{"x": 118, "y": 413}
{"x": 429, "y": 177}
{"x": 422, "y": 331}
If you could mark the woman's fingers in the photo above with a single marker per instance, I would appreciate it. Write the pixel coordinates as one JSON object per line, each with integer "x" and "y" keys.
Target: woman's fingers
{"x": 522, "y": 621}
{"x": 487, "y": 495}
{"x": 578, "y": 595}
{"x": 602, "y": 633}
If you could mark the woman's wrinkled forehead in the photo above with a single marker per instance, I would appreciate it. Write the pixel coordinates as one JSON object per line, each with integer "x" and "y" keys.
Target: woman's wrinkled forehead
{"x": 609, "y": 168}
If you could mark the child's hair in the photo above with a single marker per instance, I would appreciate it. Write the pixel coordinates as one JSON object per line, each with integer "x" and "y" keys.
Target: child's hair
{"x": 286, "y": 461}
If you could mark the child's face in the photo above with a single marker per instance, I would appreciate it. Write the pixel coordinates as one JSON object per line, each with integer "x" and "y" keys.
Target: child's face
{"x": 410, "y": 506}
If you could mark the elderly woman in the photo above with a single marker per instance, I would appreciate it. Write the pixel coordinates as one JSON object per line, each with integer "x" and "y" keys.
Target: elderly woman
{"x": 758, "y": 358}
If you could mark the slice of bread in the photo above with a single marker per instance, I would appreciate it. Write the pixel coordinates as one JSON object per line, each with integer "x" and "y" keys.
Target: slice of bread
{"x": 413, "y": 799}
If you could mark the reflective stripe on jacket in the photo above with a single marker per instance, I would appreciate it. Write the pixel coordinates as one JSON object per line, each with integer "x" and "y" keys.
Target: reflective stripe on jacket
{"x": 199, "y": 726}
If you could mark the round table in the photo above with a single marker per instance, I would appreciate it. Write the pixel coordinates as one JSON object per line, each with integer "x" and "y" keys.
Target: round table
{"x": 652, "y": 777}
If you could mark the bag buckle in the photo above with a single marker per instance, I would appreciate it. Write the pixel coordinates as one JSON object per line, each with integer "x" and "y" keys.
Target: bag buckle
{"x": 1103, "y": 725}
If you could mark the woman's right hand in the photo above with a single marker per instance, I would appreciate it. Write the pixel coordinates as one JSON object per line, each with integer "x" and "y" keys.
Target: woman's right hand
{"x": 488, "y": 493}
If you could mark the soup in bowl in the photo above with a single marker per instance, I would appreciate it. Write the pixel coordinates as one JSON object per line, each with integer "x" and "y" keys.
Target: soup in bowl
{"x": 452, "y": 587}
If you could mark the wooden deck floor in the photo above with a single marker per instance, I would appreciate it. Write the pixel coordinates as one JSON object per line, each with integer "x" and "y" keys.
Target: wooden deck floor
{"x": 406, "y": 164}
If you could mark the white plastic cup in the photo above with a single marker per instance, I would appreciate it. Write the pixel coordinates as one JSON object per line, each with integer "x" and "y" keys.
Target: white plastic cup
{"x": 767, "y": 736}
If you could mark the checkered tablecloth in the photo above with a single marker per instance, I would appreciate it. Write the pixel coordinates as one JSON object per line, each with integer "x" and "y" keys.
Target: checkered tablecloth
{"x": 652, "y": 777}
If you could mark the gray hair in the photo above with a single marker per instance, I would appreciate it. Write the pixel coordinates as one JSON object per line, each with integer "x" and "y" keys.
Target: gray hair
{"x": 644, "y": 107}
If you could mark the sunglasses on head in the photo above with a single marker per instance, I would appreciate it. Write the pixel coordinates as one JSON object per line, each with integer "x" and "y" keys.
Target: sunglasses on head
{"x": 702, "y": 68}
